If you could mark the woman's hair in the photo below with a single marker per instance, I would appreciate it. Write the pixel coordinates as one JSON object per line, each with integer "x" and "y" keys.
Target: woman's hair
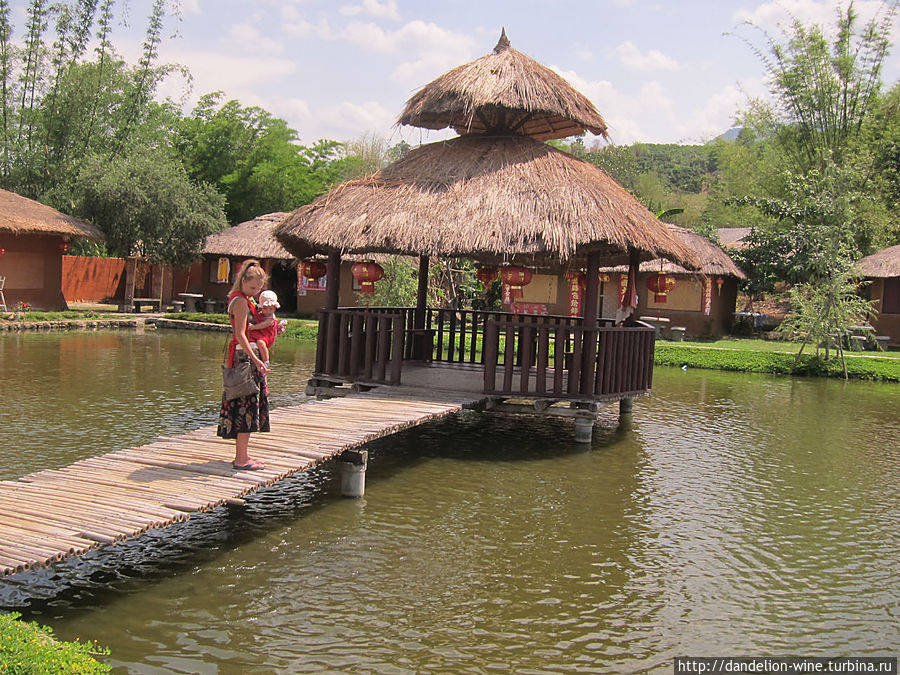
{"x": 250, "y": 269}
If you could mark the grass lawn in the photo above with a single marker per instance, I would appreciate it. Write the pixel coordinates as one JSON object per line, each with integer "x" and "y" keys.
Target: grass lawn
{"x": 752, "y": 345}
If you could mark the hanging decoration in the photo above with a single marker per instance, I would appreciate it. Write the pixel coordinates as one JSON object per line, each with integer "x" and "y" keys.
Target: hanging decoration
{"x": 366, "y": 274}
{"x": 65, "y": 246}
{"x": 623, "y": 285}
{"x": 628, "y": 297}
{"x": 223, "y": 270}
{"x": 486, "y": 275}
{"x": 605, "y": 277}
{"x": 314, "y": 269}
{"x": 576, "y": 282}
{"x": 2, "y": 252}
{"x": 660, "y": 285}
{"x": 515, "y": 277}
{"x": 707, "y": 295}
{"x": 719, "y": 282}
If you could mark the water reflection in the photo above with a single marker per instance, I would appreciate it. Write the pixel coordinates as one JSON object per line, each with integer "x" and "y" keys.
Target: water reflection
{"x": 739, "y": 514}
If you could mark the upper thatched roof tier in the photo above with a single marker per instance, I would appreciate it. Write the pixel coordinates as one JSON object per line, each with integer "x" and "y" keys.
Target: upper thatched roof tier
{"x": 252, "y": 239}
{"x": 881, "y": 265}
{"x": 713, "y": 260}
{"x": 503, "y": 92}
{"x": 21, "y": 215}
{"x": 491, "y": 198}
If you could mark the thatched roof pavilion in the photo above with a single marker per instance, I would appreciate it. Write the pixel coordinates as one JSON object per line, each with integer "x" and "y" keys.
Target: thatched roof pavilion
{"x": 496, "y": 194}
{"x": 20, "y": 215}
{"x": 504, "y": 90}
{"x": 251, "y": 239}
{"x": 881, "y": 265}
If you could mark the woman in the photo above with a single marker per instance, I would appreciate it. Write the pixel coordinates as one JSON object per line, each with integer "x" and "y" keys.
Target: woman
{"x": 239, "y": 417}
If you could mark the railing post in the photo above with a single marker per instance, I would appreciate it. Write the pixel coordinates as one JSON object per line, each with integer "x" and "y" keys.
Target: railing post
{"x": 490, "y": 351}
{"x": 397, "y": 348}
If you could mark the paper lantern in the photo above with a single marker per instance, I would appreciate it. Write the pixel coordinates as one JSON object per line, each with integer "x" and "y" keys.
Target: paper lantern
{"x": 2, "y": 251}
{"x": 64, "y": 247}
{"x": 661, "y": 285}
{"x": 486, "y": 275}
{"x": 515, "y": 277}
{"x": 719, "y": 282}
{"x": 313, "y": 269}
{"x": 366, "y": 274}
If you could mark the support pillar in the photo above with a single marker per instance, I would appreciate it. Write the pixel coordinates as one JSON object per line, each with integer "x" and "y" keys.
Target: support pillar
{"x": 333, "y": 289}
{"x": 626, "y": 405}
{"x": 421, "y": 350}
{"x": 353, "y": 465}
{"x": 584, "y": 429}
{"x": 591, "y": 312}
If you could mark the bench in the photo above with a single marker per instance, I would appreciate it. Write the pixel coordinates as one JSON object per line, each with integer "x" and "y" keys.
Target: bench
{"x": 882, "y": 342}
{"x": 677, "y": 333}
{"x": 137, "y": 304}
{"x": 178, "y": 305}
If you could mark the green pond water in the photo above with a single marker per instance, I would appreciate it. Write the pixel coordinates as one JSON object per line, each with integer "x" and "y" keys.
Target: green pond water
{"x": 735, "y": 515}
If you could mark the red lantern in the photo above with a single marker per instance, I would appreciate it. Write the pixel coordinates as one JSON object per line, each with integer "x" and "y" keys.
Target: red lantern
{"x": 486, "y": 275}
{"x": 719, "y": 282}
{"x": 64, "y": 247}
{"x": 515, "y": 277}
{"x": 661, "y": 285}
{"x": 366, "y": 274}
{"x": 313, "y": 269}
{"x": 2, "y": 251}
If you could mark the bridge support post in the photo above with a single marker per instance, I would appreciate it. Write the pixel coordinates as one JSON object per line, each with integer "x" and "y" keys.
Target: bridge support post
{"x": 584, "y": 429}
{"x": 626, "y": 405}
{"x": 353, "y": 465}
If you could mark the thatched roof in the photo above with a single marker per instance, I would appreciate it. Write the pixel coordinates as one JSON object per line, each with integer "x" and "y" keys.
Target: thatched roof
{"x": 491, "y": 198}
{"x": 714, "y": 261}
{"x": 733, "y": 237}
{"x": 881, "y": 265}
{"x": 503, "y": 92}
{"x": 21, "y": 215}
{"x": 252, "y": 239}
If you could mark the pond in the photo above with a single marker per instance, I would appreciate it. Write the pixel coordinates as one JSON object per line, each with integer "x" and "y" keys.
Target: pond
{"x": 736, "y": 515}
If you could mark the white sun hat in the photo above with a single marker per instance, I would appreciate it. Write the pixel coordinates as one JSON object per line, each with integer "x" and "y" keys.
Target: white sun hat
{"x": 268, "y": 298}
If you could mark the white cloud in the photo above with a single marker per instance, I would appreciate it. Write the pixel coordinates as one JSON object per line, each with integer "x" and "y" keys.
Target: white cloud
{"x": 380, "y": 10}
{"x": 250, "y": 40}
{"x": 584, "y": 55}
{"x": 352, "y": 120}
{"x": 190, "y": 6}
{"x": 300, "y": 28}
{"x": 654, "y": 60}
{"x": 431, "y": 49}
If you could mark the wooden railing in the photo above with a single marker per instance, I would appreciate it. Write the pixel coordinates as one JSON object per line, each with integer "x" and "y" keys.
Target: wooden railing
{"x": 360, "y": 346}
{"x": 567, "y": 362}
{"x": 537, "y": 356}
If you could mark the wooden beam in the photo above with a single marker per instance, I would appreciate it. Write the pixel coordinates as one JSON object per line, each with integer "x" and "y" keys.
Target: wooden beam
{"x": 333, "y": 289}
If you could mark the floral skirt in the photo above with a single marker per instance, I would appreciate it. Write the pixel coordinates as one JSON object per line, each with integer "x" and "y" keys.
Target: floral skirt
{"x": 247, "y": 414}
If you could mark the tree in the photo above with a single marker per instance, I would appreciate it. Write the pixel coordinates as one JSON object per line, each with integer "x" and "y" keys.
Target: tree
{"x": 146, "y": 205}
{"x": 253, "y": 158}
{"x": 59, "y": 106}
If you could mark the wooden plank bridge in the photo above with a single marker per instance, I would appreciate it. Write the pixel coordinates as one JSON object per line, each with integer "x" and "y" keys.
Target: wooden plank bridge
{"x": 50, "y": 515}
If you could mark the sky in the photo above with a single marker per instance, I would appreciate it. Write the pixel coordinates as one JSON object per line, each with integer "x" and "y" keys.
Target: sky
{"x": 658, "y": 72}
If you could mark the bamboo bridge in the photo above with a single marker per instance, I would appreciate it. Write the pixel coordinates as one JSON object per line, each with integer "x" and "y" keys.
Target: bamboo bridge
{"x": 50, "y": 515}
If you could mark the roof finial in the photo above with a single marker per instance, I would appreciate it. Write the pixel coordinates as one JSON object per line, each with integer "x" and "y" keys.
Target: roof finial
{"x": 502, "y": 43}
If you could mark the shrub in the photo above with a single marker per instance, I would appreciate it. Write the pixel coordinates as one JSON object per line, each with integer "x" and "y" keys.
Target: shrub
{"x": 30, "y": 649}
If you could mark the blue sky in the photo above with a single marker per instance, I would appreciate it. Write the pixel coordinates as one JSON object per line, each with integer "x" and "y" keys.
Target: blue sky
{"x": 657, "y": 71}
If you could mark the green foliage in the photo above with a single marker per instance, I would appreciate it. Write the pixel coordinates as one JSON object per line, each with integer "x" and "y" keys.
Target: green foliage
{"x": 826, "y": 310}
{"x": 863, "y": 368}
{"x": 253, "y": 158}
{"x": 398, "y": 287}
{"x": 58, "y": 107}
{"x": 30, "y": 649}
{"x": 146, "y": 205}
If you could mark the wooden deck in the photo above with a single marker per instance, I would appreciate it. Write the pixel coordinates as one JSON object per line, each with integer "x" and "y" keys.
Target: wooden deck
{"x": 50, "y": 515}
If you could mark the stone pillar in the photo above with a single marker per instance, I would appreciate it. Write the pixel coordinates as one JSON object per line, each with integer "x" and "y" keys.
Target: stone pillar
{"x": 584, "y": 429}
{"x": 353, "y": 465}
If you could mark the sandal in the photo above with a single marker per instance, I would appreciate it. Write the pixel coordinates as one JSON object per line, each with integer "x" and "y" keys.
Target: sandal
{"x": 252, "y": 465}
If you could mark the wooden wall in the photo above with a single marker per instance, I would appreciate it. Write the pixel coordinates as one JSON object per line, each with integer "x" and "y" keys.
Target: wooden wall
{"x": 32, "y": 266}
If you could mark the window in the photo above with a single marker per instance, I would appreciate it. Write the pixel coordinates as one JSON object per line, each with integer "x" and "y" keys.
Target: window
{"x": 890, "y": 298}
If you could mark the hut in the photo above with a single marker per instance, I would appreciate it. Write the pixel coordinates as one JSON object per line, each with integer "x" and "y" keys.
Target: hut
{"x": 500, "y": 196}
{"x": 882, "y": 269}
{"x": 679, "y": 301}
{"x": 223, "y": 252}
{"x": 33, "y": 240}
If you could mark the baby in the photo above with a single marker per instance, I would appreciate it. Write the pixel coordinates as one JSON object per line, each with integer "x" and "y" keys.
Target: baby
{"x": 265, "y": 337}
